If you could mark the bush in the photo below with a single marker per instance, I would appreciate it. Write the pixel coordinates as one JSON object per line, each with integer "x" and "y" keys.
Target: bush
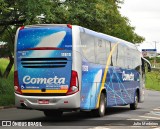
{"x": 6, "y": 86}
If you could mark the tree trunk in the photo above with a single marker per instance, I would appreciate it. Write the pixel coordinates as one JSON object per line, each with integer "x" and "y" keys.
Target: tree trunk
{"x": 9, "y": 67}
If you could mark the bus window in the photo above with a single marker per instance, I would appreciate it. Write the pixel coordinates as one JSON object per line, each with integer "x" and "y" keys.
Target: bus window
{"x": 100, "y": 51}
{"x": 88, "y": 50}
{"x": 114, "y": 55}
{"x": 121, "y": 60}
{"x": 137, "y": 60}
{"x": 129, "y": 62}
{"x": 108, "y": 49}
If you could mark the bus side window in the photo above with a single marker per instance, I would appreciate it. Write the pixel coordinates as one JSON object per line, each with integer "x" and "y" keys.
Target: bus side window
{"x": 108, "y": 49}
{"x": 137, "y": 60}
{"x": 114, "y": 55}
{"x": 100, "y": 47}
{"x": 121, "y": 61}
{"x": 89, "y": 49}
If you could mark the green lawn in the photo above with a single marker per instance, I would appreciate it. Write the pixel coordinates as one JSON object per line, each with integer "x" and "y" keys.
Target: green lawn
{"x": 6, "y": 86}
{"x": 153, "y": 80}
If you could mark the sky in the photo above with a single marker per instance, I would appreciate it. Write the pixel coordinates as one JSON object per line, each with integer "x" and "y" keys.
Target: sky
{"x": 144, "y": 15}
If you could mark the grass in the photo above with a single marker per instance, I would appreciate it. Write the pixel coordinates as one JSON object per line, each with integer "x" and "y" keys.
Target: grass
{"x": 6, "y": 86}
{"x": 153, "y": 80}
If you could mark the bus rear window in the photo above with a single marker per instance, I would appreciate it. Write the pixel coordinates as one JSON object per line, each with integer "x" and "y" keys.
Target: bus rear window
{"x": 45, "y": 37}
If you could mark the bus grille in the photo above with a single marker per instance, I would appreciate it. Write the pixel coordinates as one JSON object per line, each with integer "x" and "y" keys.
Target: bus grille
{"x": 43, "y": 62}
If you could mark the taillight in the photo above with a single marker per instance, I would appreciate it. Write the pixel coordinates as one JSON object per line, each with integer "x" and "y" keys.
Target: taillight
{"x": 74, "y": 86}
{"x": 69, "y": 26}
{"x": 21, "y": 28}
{"x": 17, "y": 88}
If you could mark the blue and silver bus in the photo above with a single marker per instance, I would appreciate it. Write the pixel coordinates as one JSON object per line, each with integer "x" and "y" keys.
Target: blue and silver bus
{"x": 67, "y": 67}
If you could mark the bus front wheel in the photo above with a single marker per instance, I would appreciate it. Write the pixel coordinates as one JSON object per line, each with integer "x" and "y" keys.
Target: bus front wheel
{"x": 133, "y": 106}
{"x": 100, "y": 112}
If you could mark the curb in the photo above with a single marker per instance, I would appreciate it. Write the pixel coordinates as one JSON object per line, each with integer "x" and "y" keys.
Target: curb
{"x": 7, "y": 107}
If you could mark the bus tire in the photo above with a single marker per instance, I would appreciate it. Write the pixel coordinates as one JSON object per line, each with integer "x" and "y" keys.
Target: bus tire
{"x": 53, "y": 113}
{"x": 133, "y": 106}
{"x": 100, "y": 112}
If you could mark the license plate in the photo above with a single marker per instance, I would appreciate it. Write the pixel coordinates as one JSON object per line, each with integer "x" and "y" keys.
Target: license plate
{"x": 42, "y": 101}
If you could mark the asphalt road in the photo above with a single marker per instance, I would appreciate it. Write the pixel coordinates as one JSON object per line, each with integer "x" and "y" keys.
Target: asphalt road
{"x": 116, "y": 117}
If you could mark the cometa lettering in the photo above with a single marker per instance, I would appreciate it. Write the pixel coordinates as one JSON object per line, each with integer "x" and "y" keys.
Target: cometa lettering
{"x": 55, "y": 80}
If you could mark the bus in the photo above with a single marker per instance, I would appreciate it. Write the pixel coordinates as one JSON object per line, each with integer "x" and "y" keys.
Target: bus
{"x": 63, "y": 67}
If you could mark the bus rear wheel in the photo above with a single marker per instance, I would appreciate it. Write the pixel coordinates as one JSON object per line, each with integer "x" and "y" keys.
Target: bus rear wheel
{"x": 100, "y": 112}
{"x": 133, "y": 106}
{"x": 53, "y": 113}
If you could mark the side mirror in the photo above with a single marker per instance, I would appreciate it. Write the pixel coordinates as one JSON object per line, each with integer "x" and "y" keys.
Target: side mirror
{"x": 146, "y": 65}
{"x": 149, "y": 67}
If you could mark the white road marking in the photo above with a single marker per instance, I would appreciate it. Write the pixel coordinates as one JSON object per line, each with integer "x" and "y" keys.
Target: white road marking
{"x": 99, "y": 127}
{"x": 158, "y": 118}
{"x": 136, "y": 126}
{"x": 134, "y": 119}
{"x": 156, "y": 109}
{"x": 155, "y": 113}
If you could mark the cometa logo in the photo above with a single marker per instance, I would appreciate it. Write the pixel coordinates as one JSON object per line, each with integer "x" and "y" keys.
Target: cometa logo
{"x": 55, "y": 80}
{"x": 127, "y": 77}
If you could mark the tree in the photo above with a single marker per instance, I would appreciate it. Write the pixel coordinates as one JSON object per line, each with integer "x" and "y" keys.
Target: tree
{"x": 98, "y": 15}
{"x": 102, "y": 16}
{"x": 16, "y": 13}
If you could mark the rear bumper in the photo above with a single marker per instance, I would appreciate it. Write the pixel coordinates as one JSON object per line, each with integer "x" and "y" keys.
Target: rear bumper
{"x": 56, "y": 102}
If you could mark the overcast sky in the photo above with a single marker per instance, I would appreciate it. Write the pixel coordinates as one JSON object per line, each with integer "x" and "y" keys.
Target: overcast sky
{"x": 144, "y": 15}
